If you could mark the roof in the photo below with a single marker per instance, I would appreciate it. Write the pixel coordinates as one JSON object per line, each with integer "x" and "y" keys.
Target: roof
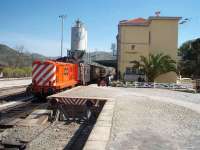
{"x": 145, "y": 22}
{"x": 163, "y": 18}
{"x": 136, "y": 21}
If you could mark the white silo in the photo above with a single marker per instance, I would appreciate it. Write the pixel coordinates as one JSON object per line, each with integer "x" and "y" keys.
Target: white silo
{"x": 78, "y": 36}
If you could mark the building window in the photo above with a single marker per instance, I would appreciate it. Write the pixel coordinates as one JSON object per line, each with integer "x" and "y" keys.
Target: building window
{"x": 134, "y": 71}
{"x": 128, "y": 70}
{"x": 132, "y": 47}
{"x": 141, "y": 72}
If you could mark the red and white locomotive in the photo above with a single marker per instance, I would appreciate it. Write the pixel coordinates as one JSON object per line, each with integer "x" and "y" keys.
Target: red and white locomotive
{"x": 51, "y": 76}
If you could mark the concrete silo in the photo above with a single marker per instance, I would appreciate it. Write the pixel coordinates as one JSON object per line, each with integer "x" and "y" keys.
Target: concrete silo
{"x": 78, "y": 36}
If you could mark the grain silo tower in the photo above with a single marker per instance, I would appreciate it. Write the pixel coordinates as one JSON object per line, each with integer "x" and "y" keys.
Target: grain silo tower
{"x": 78, "y": 37}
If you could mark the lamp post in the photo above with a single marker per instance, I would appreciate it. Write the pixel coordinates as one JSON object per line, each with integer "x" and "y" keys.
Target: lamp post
{"x": 62, "y": 22}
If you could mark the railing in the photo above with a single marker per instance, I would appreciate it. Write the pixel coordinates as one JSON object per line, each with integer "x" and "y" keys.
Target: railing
{"x": 172, "y": 86}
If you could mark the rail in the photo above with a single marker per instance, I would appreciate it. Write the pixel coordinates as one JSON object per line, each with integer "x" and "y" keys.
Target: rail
{"x": 9, "y": 79}
{"x": 14, "y": 104}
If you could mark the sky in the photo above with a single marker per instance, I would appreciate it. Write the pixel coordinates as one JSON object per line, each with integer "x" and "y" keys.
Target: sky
{"x": 35, "y": 23}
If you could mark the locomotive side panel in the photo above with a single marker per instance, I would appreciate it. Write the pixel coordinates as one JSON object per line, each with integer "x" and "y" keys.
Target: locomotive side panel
{"x": 66, "y": 74}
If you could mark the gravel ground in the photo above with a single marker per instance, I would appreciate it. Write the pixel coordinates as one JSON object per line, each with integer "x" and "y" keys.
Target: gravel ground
{"x": 183, "y": 96}
{"x": 151, "y": 125}
{"x": 144, "y": 119}
{"x": 17, "y": 134}
{"x": 150, "y": 119}
{"x": 55, "y": 137}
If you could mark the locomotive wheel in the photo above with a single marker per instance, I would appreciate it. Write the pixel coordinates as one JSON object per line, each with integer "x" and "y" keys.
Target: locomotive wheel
{"x": 29, "y": 90}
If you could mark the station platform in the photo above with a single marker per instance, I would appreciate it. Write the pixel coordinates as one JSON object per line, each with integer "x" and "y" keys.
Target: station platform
{"x": 145, "y": 119}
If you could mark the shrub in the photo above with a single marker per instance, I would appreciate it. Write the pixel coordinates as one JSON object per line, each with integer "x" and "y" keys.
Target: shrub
{"x": 10, "y": 72}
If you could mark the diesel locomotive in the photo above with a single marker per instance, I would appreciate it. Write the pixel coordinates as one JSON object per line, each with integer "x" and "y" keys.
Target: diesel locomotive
{"x": 52, "y": 76}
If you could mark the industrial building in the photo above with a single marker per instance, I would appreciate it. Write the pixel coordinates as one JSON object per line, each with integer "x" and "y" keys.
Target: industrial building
{"x": 140, "y": 37}
{"x": 78, "y": 36}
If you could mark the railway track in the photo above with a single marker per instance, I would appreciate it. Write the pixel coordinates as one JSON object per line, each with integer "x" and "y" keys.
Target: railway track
{"x": 61, "y": 135}
{"x": 12, "y": 79}
{"x": 13, "y": 87}
{"x": 69, "y": 135}
{"x": 58, "y": 135}
{"x": 80, "y": 137}
{"x": 12, "y": 93}
{"x": 14, "y": 112}
{"x": 64, "y": 134}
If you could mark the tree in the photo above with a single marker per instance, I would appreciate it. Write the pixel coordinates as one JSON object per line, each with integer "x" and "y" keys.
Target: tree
{"x": 20, "y": 56}
{"x": 189, "y": 65}
{"x": 155, "y": 65}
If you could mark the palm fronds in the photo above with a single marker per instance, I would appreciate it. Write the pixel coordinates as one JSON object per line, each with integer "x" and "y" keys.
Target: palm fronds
{"x": 155, "y": 65}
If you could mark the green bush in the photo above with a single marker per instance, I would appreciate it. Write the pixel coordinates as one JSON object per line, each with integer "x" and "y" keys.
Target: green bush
{"x": 9, "y": 72}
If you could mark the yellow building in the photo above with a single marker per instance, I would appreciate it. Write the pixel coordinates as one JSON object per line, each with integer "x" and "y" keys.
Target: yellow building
{"x": 139, "y": 37}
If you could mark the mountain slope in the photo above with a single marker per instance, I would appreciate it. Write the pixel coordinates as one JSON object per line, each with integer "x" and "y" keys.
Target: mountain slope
{"x": 11, "y": 57}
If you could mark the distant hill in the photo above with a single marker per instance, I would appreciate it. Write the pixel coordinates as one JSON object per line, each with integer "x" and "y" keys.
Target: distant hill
{"x": 100, "y": 55}
{"x": 13, "y": 58}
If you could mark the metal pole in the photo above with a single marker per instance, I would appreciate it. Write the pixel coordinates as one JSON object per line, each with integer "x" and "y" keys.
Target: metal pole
{"x": 62, "y": 22}
{"x": 61, "y": 36}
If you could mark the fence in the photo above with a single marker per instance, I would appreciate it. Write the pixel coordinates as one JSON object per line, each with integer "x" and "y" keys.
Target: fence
{"x": 190, "y": 87}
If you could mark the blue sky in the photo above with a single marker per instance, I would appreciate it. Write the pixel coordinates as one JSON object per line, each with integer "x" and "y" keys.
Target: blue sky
{"x": 35, "y": 23}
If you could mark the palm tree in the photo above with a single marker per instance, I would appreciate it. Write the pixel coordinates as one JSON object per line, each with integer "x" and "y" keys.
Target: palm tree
{"x": 155, "y": 65}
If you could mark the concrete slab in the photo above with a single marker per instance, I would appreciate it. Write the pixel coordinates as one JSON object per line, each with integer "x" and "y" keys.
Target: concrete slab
{"x": 142, "y": 118}
{"x": 87, "y": 92}
{"x": 104, "y": 118}
{"x": 100, "y": 134}
{"x": 104, "y": 123}
{"x": 95, "y": 145}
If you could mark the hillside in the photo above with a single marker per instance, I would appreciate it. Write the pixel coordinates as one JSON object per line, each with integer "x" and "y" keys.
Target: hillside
{"x": 11, "y": 57}
{"x": 100, "y": 55}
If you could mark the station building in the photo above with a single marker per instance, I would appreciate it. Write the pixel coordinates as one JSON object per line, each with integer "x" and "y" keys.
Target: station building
{"x": 140, "y": 37}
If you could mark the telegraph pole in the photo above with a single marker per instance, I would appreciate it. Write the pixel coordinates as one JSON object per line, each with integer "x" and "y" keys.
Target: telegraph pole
{"x": 62, "y": 22}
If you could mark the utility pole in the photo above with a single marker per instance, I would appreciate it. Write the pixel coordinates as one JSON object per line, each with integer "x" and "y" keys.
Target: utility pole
{"x": 62, "y": 22}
